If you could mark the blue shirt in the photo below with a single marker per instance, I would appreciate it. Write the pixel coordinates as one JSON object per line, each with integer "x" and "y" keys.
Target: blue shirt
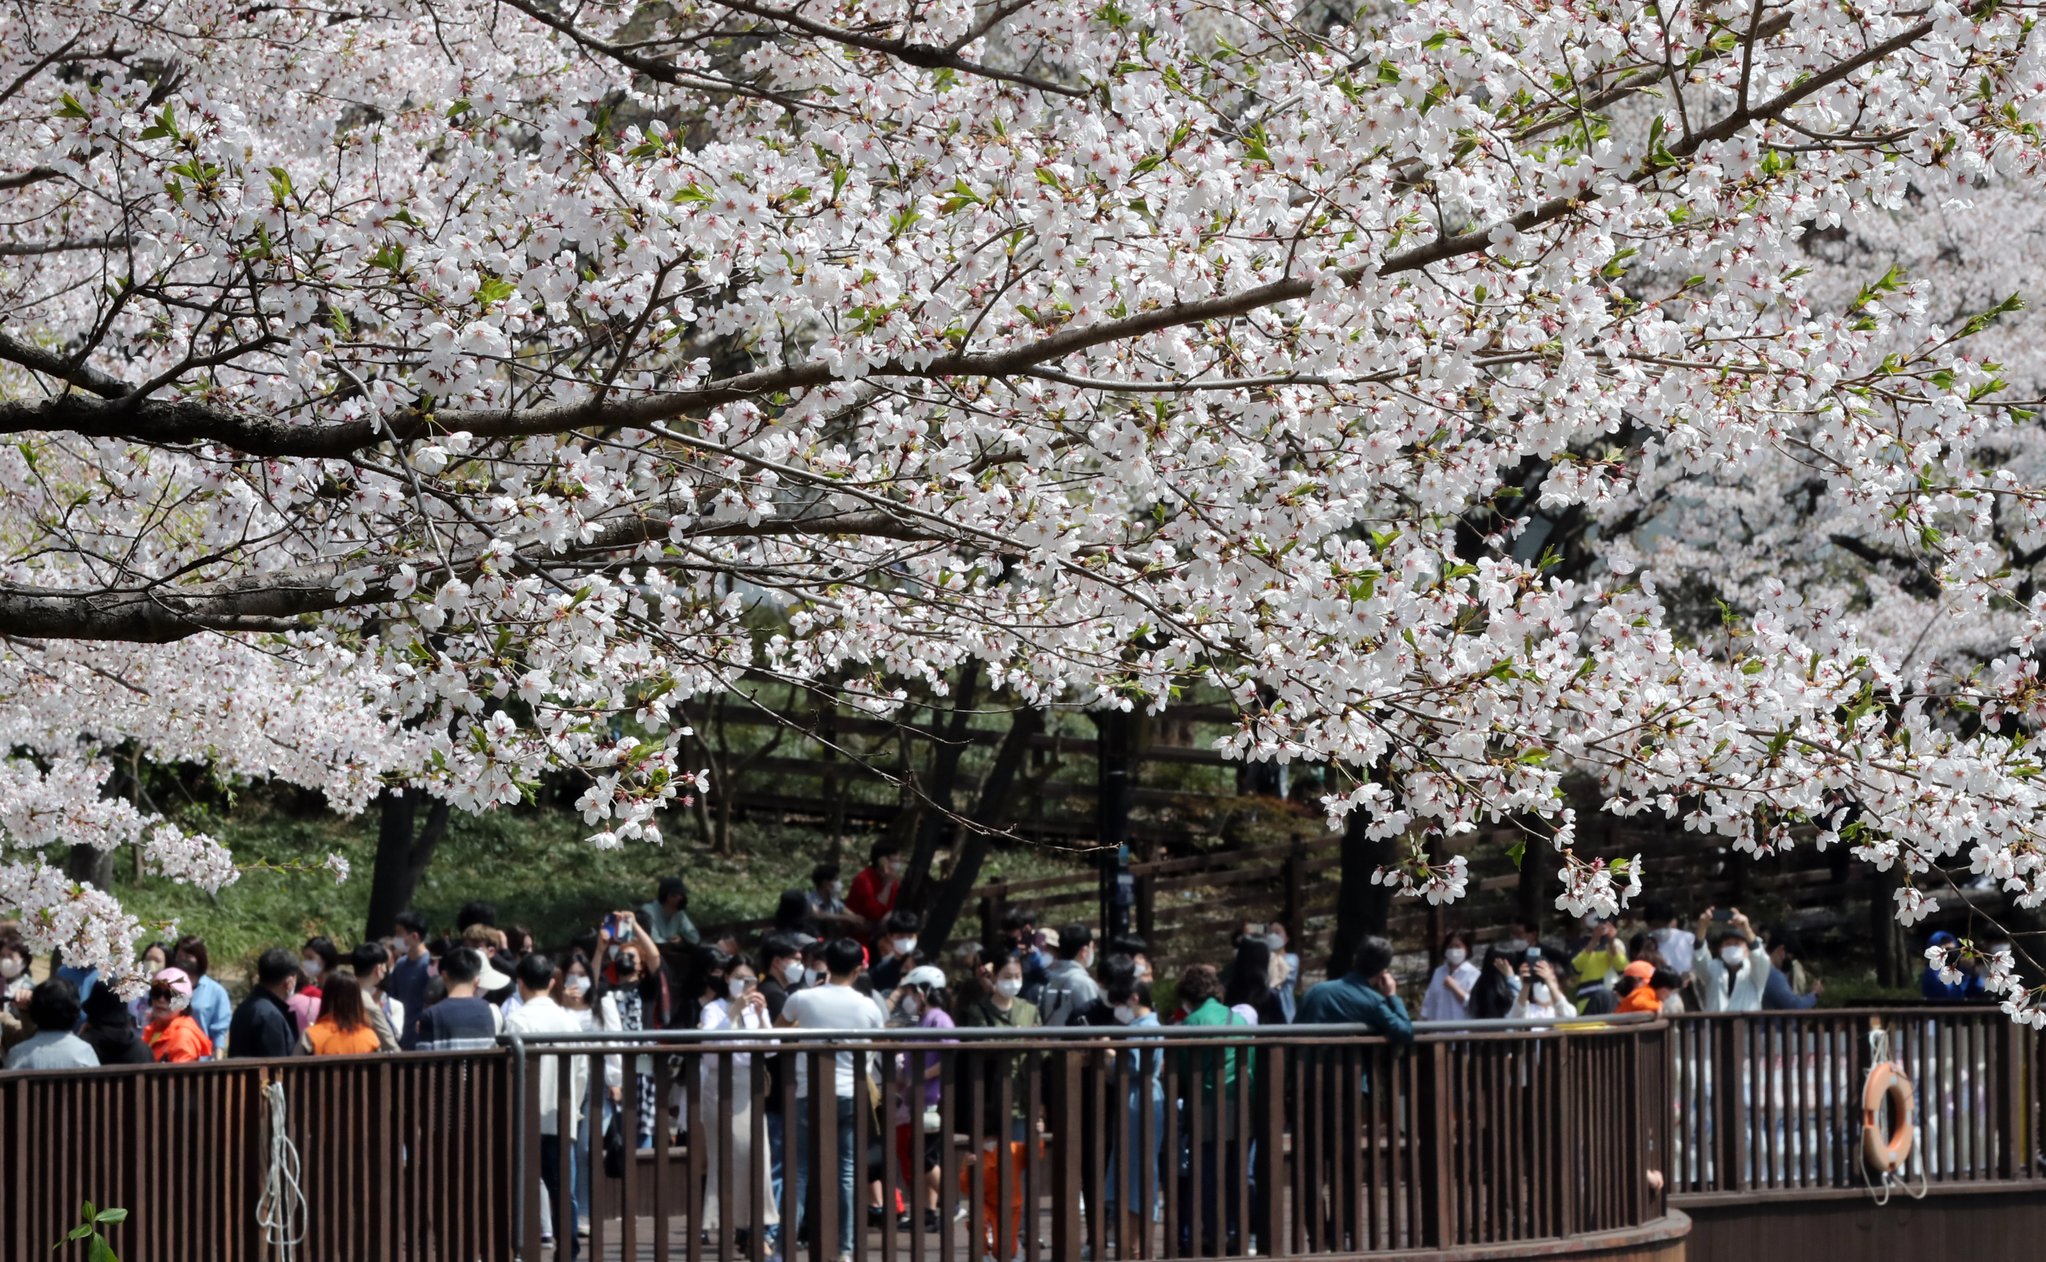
{"x": 213, "y": 1010}
{"x": 1969, "y": 987}
{"x": 1351, "y": 1000}
{"x": 1777, "y": 994}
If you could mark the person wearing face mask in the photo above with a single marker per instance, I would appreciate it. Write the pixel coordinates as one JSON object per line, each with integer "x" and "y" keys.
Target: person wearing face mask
{"x": 781, "y": 975}
{"x": 1001, "y": 1004}
{"x": 317, "y": 960}
{"x": 1448, "y": 995}
{"x": 173, "y": 1036}
{"x": 15, "y": 962}
{"x": 924, "y": 1001}
{"x": 631, "y": 975}
{"x": 211, "y": 1007}
{"x": 1069, "y": 988}
{"x": 573, "y": 990}
{"x": 897, "y": 953}
{"x": 371, "y": 962}
{"x": 732, "y": 1002}
{"x": 875, "y": 886}
{"x": 1287, "y": 985}
{"x": 1541, "y": 994}
{"x": 1733, "y": 976}
{"x": 1132, "y": 1194}
{"x": 826, "y": 902}
{"x": 411, "y": 972}
{"x": 264, "y": 1026}
{"x": 155, "y": 959}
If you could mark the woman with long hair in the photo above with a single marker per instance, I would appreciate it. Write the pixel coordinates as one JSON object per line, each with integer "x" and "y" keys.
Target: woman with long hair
{"x": 1248, "y": 992}
{"x": 343, "y": 1027}
{"x": 732, "y": 1001}
{"x": 317, "y": 961}
{"x": 1497, "y": 987}
{"x": 1449, "y": 991}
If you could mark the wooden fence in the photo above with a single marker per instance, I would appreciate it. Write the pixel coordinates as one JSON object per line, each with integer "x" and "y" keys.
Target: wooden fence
{"x": 402, "y": 1157}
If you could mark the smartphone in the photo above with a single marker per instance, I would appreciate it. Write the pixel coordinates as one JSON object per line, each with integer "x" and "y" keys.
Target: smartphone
{"x": 1533, "y": 954}
{"x": 610, "y": 929}
{"x": 1253, "y": 930}
{"x": 1722, "y": 913}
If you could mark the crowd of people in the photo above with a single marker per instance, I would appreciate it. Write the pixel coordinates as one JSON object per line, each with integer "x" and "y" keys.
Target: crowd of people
{"x": 849, "y": 959}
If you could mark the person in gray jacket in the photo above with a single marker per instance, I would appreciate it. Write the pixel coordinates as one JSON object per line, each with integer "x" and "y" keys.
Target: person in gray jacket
{"x": 53, "y": 1009}
{"x": 1069, "y": 988}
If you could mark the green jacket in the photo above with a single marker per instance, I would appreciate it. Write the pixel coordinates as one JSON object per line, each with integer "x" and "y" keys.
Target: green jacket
{"x": 1217, "y": 1064}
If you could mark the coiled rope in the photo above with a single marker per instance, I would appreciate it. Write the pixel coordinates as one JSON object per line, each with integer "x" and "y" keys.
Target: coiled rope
{"x": 281, "y": 1213}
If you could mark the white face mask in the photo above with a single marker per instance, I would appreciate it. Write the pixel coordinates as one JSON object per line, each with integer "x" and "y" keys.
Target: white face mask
{"x": 577, "y": 985}
{"x": 1276, "y": 941}
{"x": 812, "y": 976}
{"x": 614, "y": 950}
{"x": 1010, "y": 986}
{"x": 1541, "y": 994}
{"x": 738, "y": 986}
{"x": 1515, "y": 946}
{"x": 311, "y": 966}
{"x": 1455, "y": 956}
{"x": 792, "y": 972}
{"x": 910, "y": 1005}
{"x": 10, "y": 967}
{"x": 1733, "y": 956}
{"x": 1125, "y": 1014}
{"x": 903, "y": 946}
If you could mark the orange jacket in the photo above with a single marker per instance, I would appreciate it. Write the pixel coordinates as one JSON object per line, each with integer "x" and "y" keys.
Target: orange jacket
{"x": 325, "y": 1038}
{"x": 177, "y": 1041}
{"x": 1641, "y": 999}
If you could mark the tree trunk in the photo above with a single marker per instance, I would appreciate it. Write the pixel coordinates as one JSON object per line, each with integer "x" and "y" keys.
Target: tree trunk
{"x": 990, "y": 813}
{"x": 404, "y": 849}
{"x": 90, "y": 865}
{"x": 935, "y": 823}
{"x": 1115, "y": 763}
{"x": 1362, "y": 908}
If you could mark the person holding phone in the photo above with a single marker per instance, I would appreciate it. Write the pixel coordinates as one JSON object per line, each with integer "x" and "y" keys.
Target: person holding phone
{"x": 732, "y": 1001}
{"x": 1541, "y": 995}
{"x": 630, "y": 975}
{"x": 1732, "y": 976}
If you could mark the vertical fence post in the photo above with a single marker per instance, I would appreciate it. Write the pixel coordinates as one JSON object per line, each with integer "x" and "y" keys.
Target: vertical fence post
{"x": 1437, "y": 1161}
{"x": 2014, "y": 1130}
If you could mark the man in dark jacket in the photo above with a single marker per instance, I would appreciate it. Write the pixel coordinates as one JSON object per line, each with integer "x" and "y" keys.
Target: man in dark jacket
{"x": 263, "y": 1025}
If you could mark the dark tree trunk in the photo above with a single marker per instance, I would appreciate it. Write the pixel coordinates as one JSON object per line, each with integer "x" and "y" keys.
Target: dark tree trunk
{"x": 935, "y": 823}
{"x": 90, "y": 865}
{"x": 990, "y": 813}
{"x": 1115, "y": 768}
{"x": 1362, "y": 908}
{"x": 404, "y": 849}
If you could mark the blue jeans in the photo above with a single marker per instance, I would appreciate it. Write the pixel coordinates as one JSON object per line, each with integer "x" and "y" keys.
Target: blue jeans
{"x": 776, "y": 1139}
{"x": 805, "y": 1155}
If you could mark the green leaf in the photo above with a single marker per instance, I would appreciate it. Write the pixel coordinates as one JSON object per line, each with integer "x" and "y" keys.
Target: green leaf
{"x": 101, "y": 1251}
{"x": 111, "y": 1216}
{"x": 164, "y": 128}
{"x": 71, "y": 108}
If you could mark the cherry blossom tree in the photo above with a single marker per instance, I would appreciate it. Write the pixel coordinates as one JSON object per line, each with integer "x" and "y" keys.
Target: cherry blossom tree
{"x": 1475, "y": 392}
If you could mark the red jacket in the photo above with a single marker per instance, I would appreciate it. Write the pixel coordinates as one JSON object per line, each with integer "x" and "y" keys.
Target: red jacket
{"x": 872, "y": 896}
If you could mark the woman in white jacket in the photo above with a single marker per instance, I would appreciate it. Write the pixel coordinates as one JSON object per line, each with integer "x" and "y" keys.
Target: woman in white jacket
{"x": 732, "y": 1001}
{"x": 1449, "y": 990}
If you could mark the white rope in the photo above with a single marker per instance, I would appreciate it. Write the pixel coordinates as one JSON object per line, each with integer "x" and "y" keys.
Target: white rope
{"x": 282, "y": 1211}
{"x": 1879, "y": 1053}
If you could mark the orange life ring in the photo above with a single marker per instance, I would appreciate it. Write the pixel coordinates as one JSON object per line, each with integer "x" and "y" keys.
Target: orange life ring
{"x": 1886, "y": 1153}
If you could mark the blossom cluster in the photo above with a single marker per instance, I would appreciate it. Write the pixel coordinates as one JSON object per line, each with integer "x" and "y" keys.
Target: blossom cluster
{"x": 444, "y": 395}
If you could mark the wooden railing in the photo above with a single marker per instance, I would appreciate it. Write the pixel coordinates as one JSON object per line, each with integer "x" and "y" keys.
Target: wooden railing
{"x": 1050, "y": 1144}
{"x": 1770, "y": 1104}
{"x": 402, "y": 1156}
{"x": 1479, "y": 1141}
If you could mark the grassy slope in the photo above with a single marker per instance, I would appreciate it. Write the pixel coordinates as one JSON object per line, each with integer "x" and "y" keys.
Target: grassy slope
{"x": 533, "y": 864}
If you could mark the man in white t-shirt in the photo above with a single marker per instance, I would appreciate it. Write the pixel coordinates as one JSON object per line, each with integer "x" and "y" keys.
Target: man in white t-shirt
{"x": 832, "y": 1006}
